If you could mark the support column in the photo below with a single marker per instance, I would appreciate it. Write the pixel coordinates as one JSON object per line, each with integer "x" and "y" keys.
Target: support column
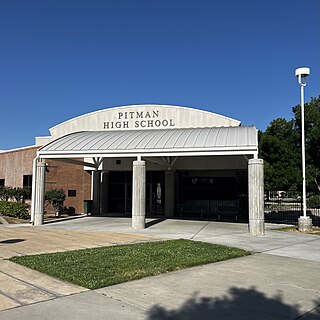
{"x": 256, "y": 197}
{"x": 96, "y": 192}
{"x": 139, "y": 194}
{"x": 169, "y": 194}
{"x": 39, "y": 193}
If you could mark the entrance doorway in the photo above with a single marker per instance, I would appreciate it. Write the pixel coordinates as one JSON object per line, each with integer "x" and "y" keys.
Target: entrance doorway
{"x": 213, "y": 196}
{"x": 120, "y": 193}
{"x": 155, "y": 193}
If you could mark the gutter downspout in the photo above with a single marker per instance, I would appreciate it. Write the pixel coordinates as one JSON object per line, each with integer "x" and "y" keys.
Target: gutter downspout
{"x": 33, "y": 192}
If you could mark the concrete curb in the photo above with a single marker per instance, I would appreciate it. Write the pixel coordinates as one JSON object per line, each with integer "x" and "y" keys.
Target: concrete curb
{"x": 3, "y": 221}
{"x": 64, "y": 218}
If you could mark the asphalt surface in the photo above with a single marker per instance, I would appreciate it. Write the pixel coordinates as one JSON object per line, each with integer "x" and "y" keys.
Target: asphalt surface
{"x": 280, "y": 280}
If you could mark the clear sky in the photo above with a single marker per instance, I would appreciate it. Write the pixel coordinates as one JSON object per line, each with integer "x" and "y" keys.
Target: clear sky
{"x": 63, "y": 58}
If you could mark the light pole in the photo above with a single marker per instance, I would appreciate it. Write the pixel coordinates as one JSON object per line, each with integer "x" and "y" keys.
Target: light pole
{"x": 304, "y": 222}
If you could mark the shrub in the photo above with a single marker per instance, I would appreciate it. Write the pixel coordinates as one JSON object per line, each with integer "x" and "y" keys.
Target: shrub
{"x": 20, "y": 194}
{"x": 314, "y": 201}
{"x": 14, "y": 209}
{"x": 14, "y": 193}
{"x": 5, "y": 193}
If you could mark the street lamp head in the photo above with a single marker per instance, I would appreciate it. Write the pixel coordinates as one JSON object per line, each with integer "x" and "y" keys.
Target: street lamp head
{"x": 301, "y": 74}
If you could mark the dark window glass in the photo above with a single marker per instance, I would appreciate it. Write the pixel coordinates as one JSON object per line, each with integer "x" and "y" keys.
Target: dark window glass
{"x": 27, "y": 184}
{"x": 117, "y": 191}
{"x": 27, "y": 181}
{"x": 2, "y": 182}
{"x": 72, "y": 193}
{"x": 206, "y": 188}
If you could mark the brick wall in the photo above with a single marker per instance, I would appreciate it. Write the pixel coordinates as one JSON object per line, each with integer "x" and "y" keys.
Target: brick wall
{"x": 69, "y": 177}
{"x": 17, "y": 163}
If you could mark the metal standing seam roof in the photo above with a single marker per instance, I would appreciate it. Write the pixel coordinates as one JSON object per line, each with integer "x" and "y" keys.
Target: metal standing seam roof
{"x": 128, "y": 141}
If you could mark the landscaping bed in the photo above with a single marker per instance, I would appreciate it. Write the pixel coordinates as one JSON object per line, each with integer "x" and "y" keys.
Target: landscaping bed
{"x": 295, "y": 229}
{"x": 13, "y": 220}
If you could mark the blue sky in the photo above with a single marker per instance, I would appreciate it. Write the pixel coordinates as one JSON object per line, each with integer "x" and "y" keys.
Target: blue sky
{"x": 63, "y": 58}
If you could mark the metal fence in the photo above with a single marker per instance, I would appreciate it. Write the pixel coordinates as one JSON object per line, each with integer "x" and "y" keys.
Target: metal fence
{"x": 220, "y": 210}
{"x": 280, "y": 207}
{"x": 286, "y": 207}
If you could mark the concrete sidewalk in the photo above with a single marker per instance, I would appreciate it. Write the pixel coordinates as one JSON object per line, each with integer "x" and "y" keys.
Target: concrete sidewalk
{"x": 20, "y": 286}
{"x": 280, "y": 281}
{"x": 27, "y": 240}
{"x": 295, "y": 245}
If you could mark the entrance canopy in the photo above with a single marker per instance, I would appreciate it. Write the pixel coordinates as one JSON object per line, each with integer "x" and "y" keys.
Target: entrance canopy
{"x": 241, "y": 140}
{"x": 177, "y": 143}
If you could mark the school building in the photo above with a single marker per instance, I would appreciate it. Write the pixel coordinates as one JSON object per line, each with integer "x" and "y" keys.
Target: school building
{"x": 145, "y": 160}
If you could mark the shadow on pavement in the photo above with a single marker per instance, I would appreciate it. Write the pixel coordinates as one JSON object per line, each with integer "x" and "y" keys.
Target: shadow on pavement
{"x": 154, "y": 222}
{"x": 238, "y": 304}
{"x": 11, "y": 241}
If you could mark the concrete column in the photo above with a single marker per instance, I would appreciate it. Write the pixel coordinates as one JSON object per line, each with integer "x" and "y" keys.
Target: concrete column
{"x": 256, "y": 197}
{"x": 139, "y": 194}
{"x": 96, "y": 192}
{"x": 39, "y": 193}
{"x": 104, "y": 192}
{"x": 169, "y": 194}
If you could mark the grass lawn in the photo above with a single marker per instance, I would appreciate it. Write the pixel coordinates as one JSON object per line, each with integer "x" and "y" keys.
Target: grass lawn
{"x": 315, "y": 231}
{"x": 101, "y": 267}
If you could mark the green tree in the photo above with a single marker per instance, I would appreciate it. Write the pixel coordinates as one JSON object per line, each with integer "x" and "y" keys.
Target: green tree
{"x": 19, "y": 194}
{"x": 6, "y": 193}
{"x": 56, "y": 198}
{"x": 278, "y": 148}
{"x": 312, "y": 133}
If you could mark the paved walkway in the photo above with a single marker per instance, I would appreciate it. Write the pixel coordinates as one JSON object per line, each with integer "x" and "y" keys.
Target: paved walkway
{"x": 27, "y": 240}
{"x": 280, "y": 281}
{"x": 20, "y": 286}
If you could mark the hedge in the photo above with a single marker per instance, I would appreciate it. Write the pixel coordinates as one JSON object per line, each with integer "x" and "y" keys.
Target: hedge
{"x": 14, "y": 209}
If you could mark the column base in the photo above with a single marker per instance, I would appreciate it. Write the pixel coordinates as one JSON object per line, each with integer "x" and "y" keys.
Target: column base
{"x": 256, "y": 227}
{"x": 304, "y": 224}
{"x": 38, "y": 219}
{"x": 138, "y": 222}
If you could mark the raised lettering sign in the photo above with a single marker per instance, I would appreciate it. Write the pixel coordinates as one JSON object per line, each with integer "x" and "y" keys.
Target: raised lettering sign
{"x": 138, "y": 120}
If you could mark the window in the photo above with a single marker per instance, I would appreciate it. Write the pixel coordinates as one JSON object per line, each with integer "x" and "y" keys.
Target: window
{"x": 2, "y": 182}
{"x": 72, "y": 193}
{"x": 27, "y": 184}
